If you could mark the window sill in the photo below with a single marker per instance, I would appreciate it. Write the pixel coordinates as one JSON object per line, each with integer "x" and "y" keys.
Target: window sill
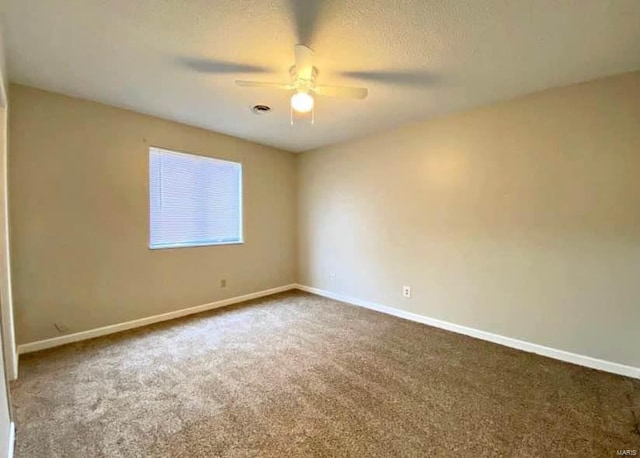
{"x": 194, "y": 245}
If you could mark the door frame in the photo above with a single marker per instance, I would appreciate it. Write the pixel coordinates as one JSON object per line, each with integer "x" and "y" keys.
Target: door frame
{"x": 6, "y": 295}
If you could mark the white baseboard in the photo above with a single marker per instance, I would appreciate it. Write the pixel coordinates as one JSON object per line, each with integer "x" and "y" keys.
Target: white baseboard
{"x": 90, "y": 334}
{"x": 562, "y": 355}
{"x": 12, "y": 440}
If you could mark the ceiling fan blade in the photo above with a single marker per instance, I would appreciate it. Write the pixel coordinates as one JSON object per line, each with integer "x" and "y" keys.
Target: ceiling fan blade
{"x": 342, "y": 91}
{"x": 220, "y": 66}
{"x": 263, "y": 84}
{"x": 305, "y": 15}
{"x": 304, "y": 61}
{"x": 397, "y": 77}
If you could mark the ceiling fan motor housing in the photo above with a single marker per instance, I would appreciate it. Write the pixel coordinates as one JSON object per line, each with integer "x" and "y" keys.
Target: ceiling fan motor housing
{"x": 300, "y": 83}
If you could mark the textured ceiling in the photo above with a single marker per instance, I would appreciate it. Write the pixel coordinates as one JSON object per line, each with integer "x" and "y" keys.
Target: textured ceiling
{"x": 177, "y": 59}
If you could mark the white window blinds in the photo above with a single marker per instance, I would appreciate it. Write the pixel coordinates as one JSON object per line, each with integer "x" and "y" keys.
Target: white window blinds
{"x": 194, "y": 200}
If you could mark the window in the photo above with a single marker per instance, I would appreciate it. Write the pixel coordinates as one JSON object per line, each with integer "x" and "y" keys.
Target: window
{"x": 194, "y": 200}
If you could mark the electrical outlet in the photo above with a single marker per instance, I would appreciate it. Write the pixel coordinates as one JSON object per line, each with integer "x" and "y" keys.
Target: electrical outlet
{"x": 332, "y": 276}
{"x": 62, "y": 328}
{"x": 406, "y": 291}
{"x": 223, "y": 283}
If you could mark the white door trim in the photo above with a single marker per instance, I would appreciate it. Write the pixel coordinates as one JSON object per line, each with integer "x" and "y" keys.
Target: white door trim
{"x": 6, "y": 297}
{"x": 12, "y": 439}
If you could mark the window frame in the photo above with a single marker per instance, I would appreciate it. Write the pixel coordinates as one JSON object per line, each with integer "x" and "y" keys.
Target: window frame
{"x": 168, "y": 246}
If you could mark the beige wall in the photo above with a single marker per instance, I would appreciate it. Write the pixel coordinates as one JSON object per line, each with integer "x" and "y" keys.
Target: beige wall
{"x": 79, "y": 217}
{"x": 521, "y": 219}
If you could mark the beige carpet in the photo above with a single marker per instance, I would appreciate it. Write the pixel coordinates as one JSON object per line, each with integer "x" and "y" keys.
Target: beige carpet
{"x": 298, "y": 375}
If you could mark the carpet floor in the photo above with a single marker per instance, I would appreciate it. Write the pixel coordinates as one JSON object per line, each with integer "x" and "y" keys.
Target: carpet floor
{"x": 299, "y": 375}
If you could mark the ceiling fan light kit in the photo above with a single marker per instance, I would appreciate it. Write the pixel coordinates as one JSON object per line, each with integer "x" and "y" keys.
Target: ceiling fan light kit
{"x": 303, "y": 83}
{"x": 302, "y": 102}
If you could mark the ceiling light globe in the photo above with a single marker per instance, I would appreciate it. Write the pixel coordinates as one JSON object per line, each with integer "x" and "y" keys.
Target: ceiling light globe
{"x": 302, "y": 102}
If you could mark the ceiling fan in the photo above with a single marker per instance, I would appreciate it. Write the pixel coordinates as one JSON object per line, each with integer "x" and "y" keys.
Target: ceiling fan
{"x": 303, "y": 84}
{"x": 307, "y": 17}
